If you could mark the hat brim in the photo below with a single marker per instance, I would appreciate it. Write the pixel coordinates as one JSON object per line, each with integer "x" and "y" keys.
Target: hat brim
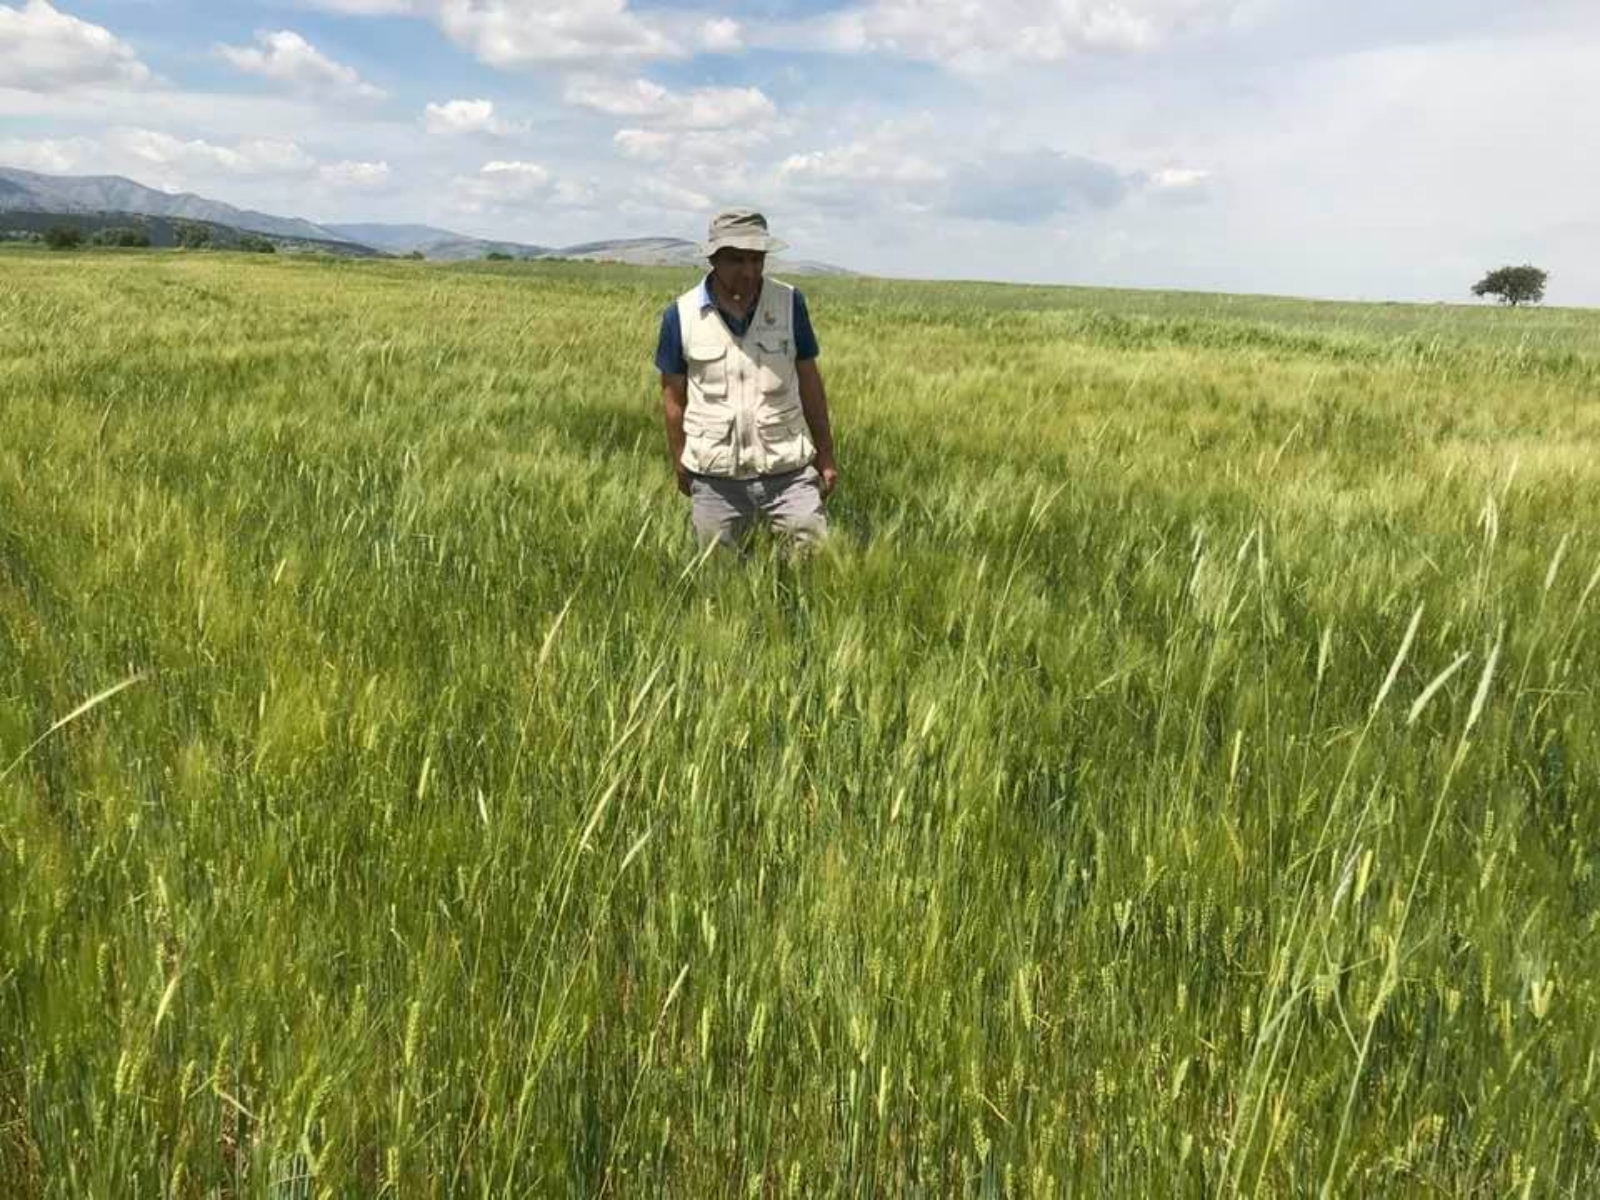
{"x": 765, "y": 243}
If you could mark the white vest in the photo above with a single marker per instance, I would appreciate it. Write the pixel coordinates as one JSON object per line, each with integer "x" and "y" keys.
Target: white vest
{"x": 743, "y": 416}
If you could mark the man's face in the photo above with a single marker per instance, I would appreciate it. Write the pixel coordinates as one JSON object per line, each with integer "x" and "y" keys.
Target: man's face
{"x": 738, "y": 274}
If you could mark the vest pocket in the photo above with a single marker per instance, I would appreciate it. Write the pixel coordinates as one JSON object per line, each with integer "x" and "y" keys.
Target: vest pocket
{"x": 708, "y": 440}
{"x": 774, "y": 363}
{"x": 710, "y": 424}
{"x": 785, "y": 438}
{"x": 779, "y": 423}
{"x": 708, "y": 366}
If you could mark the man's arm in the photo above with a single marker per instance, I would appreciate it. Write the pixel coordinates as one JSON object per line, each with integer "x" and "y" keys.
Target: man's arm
{"x": 674, "y": 389}
{"x": 814, "y": 403}
{"x": 674, "y": 399}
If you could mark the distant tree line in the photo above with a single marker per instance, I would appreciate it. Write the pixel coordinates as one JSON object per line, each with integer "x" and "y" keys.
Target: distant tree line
{"x": 186, "y": 235}
{"x": 70, "y": 237}
{"x": 132, "y": 239}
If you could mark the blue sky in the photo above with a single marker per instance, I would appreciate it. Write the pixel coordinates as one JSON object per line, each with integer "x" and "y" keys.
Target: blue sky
{"x": 1353, "y": 149}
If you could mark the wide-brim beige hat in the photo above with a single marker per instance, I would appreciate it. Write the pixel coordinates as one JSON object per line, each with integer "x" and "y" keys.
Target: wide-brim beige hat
{"x": 740, "y": 229}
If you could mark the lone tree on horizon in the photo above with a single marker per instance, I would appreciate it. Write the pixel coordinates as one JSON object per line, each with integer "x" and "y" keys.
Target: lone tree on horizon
{"x": 1513, "y": 285}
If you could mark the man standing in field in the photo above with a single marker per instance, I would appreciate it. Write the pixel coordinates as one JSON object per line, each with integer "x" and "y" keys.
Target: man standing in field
{"x": 747, "y": 416}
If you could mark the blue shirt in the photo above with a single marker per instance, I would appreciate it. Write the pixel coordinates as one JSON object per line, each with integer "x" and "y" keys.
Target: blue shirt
{"x": 669, "y": 349}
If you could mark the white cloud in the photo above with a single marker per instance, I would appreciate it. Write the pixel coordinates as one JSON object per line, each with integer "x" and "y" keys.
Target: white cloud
{"x": 509, "y": 33}
{"x": 223, "y": 114}
{"x": 991, "y": 35}
{"x": 45, "y": 50}
{"x": 884, "y": 166}
{"x": 695, "y": 151}
{"x": 1177, "y": 185}
{"x": 890, "y": 168}
{"x": 976, "y": 169}
{"x": 575, "y": 193}
{"x": 1178, "y": 179}
{"x": 860, "y": 162}
{"x": 255, "y": 157}
{"x": 721, "y": 35}
{"x": 647, "y": 145}
{"x": 365, "y": 8}
{"x": 285, "y": 57}
{"x": 1032, "y": 187}
{"x": 49, "y": 155}
{"x": 354, "y": 176}
{"x": 702, "y": 108}
{"x": 506, "y": 188}
{"x": 673, "y": 198}
{"x": 515, "y": 33}
{"x": 463, "y": 116}
{"x": 503, "y": 184}
{"x": 516, "y": 177}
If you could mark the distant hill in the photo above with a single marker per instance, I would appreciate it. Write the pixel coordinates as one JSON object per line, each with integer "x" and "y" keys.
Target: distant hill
{"x": 807, "y": 266}
{"x": 163, "y": 231}
{"x": 675, "y": 252}
{"x": 641, "y": 252}
{"x": 443, "y": 245}
{"x": 457, "y": 248}
{"x": 29, "y": 191}
{"x": 110, "y": 195}
{"x": 397, "y": 239}
{"x": 446, "y": 245}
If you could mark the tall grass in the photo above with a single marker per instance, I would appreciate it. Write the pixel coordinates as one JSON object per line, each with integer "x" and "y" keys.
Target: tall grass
{"x": 1177, "y": 778}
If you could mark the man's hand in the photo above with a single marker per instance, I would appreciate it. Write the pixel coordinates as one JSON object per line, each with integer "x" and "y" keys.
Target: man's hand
{"x": 829, "y": 470}
{"x": 674, "y": 399}
{"x": 814, "y": 403}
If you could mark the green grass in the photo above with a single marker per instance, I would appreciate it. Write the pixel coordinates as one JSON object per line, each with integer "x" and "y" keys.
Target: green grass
{"x": 1084, "y": 821}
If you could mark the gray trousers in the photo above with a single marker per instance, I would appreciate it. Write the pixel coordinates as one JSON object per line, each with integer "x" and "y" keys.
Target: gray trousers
{"x": 726, "y": 510}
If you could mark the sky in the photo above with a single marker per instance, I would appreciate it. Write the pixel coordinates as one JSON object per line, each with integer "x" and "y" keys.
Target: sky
{"x": 1351, "y": 149}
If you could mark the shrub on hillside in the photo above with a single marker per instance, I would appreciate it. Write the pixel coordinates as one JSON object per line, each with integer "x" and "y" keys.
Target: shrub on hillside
{"x": 63, "y": 237}
{"x": 192, "y": 236}
{"x": 121, "y": 235}
{"x": 257, "y": 245}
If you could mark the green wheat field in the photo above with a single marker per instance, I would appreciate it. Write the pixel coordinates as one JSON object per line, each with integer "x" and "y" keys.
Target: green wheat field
{"x": 1178, "y": 777}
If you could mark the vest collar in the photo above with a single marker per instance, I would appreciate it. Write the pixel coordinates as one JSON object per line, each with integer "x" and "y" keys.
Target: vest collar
{"x": 707, "y": 301}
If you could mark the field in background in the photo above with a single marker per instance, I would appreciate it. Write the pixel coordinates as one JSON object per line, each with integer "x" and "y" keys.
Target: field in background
{"x": 1179, "y": 777}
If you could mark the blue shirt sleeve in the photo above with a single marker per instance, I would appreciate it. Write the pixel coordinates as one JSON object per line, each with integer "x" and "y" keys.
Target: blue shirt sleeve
{"x": 669, "y": 347}
{"x": 805, "y": 338}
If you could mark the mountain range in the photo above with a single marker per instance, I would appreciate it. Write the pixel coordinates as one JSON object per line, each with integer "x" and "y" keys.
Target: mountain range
{"x": 91, "y": 199}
